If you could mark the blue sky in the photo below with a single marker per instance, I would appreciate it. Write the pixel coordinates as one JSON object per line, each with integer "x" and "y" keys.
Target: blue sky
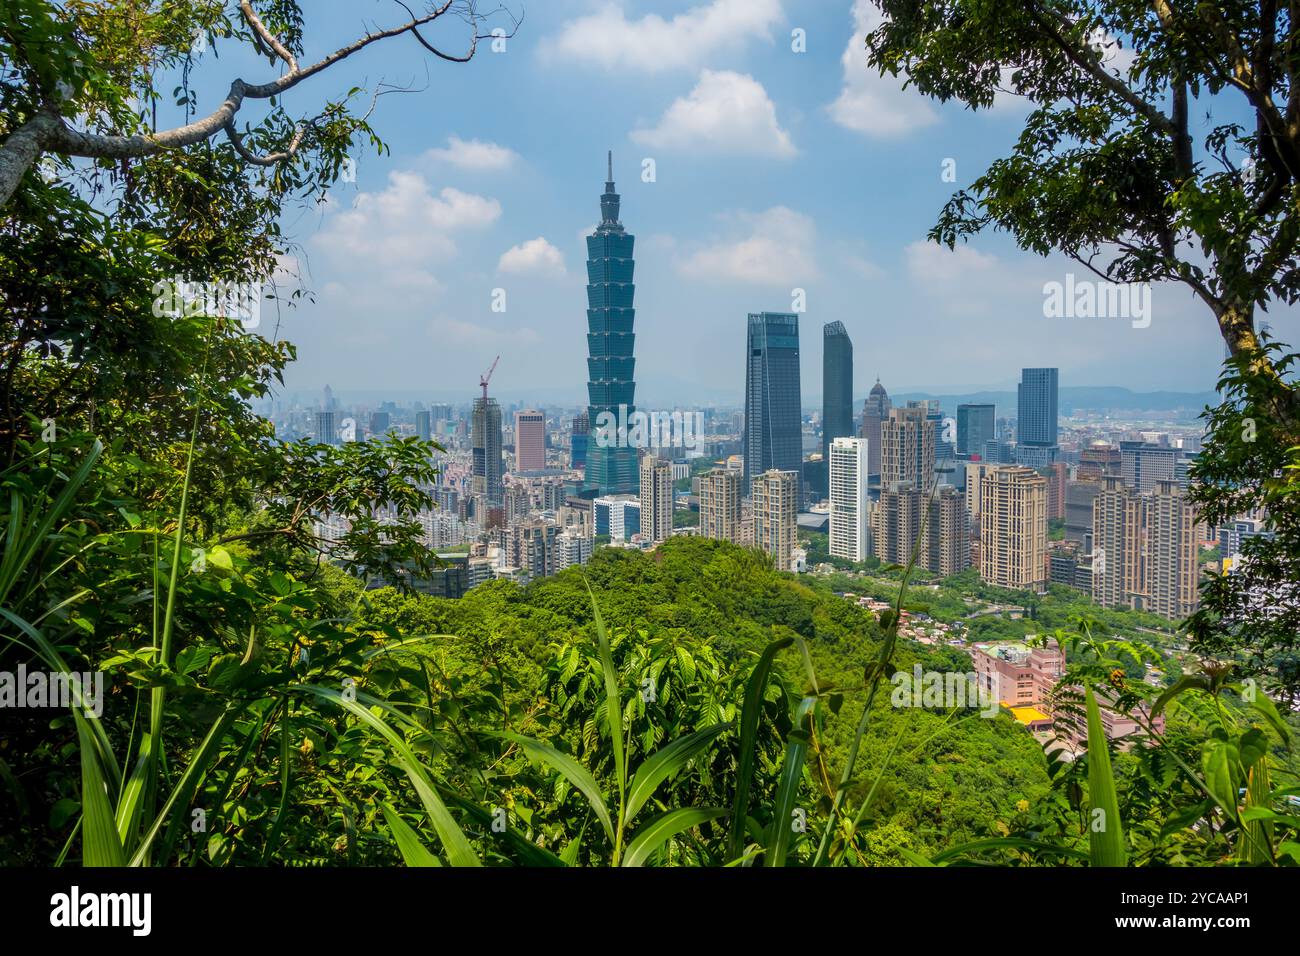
{"x": 774, "y": 170}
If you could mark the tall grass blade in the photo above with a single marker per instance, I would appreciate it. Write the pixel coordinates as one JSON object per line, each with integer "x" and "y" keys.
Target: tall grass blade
{"x": 787, "y": 791}
{"x": 663, "y": 828}
{"x": 459, "y": 851}
{"x": 666, "y": 762}
{"x": 572, "y": 771}
{"x": 613, "y": 717}
{"x": 526, "y": 852}
{"x": 46, "y": 652}
{"x": 99, "y": 840}
{"x": 185, "y": 788}
{"x": 414, "y": 853}
{"x": 1257, "y": 837}
{"x": 1105, "y": 833}
{"x": 755, "y": 691}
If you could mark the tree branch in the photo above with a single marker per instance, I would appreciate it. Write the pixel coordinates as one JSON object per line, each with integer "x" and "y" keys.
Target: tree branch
{"x": 1093, "y": 68}
{"x": 260, "y": 29}
{"x": 48, "y": 131}
{"x": 237, "y": 140}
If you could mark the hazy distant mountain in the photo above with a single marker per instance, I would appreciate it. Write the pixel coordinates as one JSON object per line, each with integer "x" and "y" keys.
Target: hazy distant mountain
{"x": 1110, "y": 398}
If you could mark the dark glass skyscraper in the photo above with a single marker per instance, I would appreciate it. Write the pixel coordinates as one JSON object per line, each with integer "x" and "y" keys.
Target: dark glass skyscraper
{"x": 578, "y": 443}
{"x": 773, "y": 436}
{"x": 837, "y": 385}
{"x": 611, "y": 464}
{"x": 1036, "y": 417}
{"x": 975, "y": 428}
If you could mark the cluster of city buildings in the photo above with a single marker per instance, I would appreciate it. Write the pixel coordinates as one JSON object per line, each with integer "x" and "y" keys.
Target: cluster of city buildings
{"x": 1111, "y": 519}
{"x": 525, "y": 492}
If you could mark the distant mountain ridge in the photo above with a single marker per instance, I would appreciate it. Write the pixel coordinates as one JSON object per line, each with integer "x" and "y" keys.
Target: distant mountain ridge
{"x": 1072, "y": 398}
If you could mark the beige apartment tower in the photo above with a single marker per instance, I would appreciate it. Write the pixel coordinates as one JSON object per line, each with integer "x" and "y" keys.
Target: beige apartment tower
{"x": 907, "y": 448}
{"x": 1118, "y": 551}
{"x": 1144, "y": 549}
{"x": 775, "y": 496}
{"x": 1172, "y": 548}
{"x": 1013, "y": 528}
{"x": 530, "y": 440}
{"x": 945, "y": 539}
{"x": 656, "y": 499}
{"x": 896, "y": 522}
{"x": 720, "y": 505}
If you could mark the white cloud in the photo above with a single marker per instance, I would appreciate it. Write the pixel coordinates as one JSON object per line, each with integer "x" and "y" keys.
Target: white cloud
{"x": 963, "y": 281}
{"x": 405, "y": 222}
{"x": 726, "y": 112}
{"x": 474, "y": 154}
{"x": 774, "y": 248}
{"x": 868, "y": 102}
{"x": 386, "y": 246}
{"x": 535, "y": 257}
{"x": 652, "y": 44}
{"x": 931, "y": 262}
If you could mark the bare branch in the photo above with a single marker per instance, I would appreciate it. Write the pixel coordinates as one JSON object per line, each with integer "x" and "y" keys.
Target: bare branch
{"x": 237, "y": 140}
{"x": 473, "y": 18}
{"x": 260, "y": 29}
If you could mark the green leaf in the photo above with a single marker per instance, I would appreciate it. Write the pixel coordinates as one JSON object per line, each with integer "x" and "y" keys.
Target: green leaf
{"x": 755, "y": 691}
{"x": 778, "y": 841}
{"x": 571, "y": 770}
{"x": 101, "y": 845}
{"x": 1268, "y": 710}
{"x": 459, "y": 851}
{"x": 1217, "y": 763}
{"x": 666, "y": 762}
{"x": 569, "y": 856}
{"x": 613, "y": 707}
{"x": 1106, "y": 842}
{"x": 663, "y": 828}
{"x": 408, "y": 842}
{"x": 911, "y": 856}
{"x": 1182, "y": 685}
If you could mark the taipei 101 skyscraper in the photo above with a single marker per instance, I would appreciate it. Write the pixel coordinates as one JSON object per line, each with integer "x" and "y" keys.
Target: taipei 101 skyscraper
{"x": 611, "y": 464}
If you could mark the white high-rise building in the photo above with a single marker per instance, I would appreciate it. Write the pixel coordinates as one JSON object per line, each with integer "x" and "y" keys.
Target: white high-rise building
{"x": 850, "y": 524}
{"x": 572, "y": 549}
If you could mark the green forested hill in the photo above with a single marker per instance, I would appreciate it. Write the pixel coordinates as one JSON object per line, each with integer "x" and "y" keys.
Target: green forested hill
{"x": 950, "y": 779}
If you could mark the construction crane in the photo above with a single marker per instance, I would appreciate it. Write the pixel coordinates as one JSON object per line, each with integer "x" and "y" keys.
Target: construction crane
{"x": 487, "y": 376}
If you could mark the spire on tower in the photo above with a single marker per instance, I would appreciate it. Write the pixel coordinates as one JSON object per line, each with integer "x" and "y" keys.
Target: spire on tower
{"x": 609, "y": 200}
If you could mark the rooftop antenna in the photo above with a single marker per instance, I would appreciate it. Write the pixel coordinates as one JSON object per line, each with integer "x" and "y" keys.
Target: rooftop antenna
{"x": 487, "y": 377}
{"x": 610, "y": 158}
